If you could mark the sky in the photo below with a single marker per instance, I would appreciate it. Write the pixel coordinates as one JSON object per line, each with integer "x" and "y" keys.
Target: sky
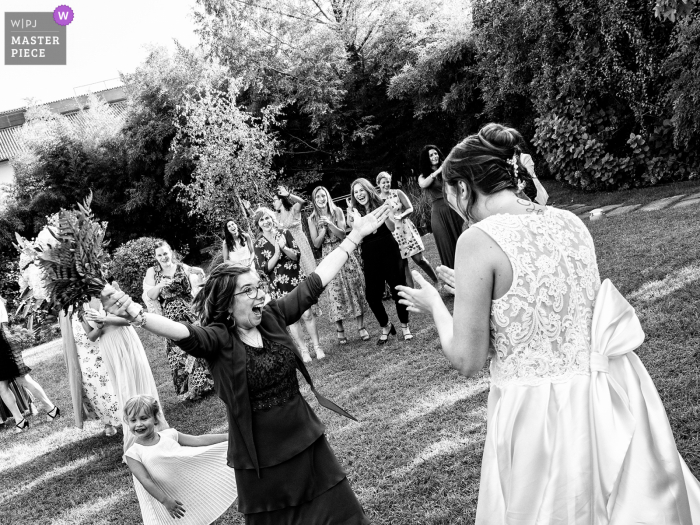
{"x": 103, "y": 39}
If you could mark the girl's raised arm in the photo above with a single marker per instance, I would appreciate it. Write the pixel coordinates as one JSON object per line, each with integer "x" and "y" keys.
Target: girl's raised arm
{"x": 187, "y": 440}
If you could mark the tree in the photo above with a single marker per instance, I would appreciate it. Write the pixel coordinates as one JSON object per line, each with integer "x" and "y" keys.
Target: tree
{"x": 232, "y": 151}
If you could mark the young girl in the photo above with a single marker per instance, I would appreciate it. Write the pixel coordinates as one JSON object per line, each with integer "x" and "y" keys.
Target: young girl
{"x": 176, "y": 476}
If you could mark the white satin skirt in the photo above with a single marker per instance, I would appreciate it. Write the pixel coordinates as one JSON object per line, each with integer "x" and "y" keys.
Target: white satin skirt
{"x": 545, "y": 463}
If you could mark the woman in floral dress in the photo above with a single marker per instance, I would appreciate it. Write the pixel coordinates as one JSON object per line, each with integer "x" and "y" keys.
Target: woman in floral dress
{"x": 346, "y": 291}
{"x": 169, "y": 283}
{"x": 406, "y": 234}
{"x": 99, "y": 399}
{"x": 277, "y": 255}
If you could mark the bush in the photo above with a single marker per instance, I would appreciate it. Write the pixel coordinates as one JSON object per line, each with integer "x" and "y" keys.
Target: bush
{"x": 131, "y": 260}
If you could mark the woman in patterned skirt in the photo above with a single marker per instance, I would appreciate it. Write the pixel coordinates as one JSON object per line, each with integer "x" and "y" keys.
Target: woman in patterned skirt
{"x": 99, "y": 398}
{"x": 169, "y": 283}
{"x": 347, "y": 289}
{"x": 277, "y": 255}
{"x": 405, "y": 232}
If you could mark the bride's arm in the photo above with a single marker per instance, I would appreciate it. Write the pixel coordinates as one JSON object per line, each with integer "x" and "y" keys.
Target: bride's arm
{"x": 464, "y": 338}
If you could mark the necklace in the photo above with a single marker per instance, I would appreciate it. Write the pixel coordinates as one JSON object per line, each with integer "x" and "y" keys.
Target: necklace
{"x": 254, "y": 340}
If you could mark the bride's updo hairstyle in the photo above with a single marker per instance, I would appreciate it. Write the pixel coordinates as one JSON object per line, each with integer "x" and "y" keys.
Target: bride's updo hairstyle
{"x": 487, "y": 162}
{"x": 213, "y": 302}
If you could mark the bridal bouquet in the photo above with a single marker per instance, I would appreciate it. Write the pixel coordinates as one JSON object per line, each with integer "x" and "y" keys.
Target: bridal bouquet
{"x": 73, "y": 269}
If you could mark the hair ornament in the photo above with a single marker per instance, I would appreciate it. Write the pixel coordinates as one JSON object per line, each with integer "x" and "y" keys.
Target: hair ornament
{"x": 513, "y": 161}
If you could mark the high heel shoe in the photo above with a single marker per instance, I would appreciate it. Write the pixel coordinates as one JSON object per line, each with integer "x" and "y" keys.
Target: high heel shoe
{"x": 341, "y": 338}
{"x": 385, "y": 337}
{"x": 407, "y": 335}
{"x": 21, "y": 426}
{"x": 365, "y": 336}
{"x": 56, "y": 413}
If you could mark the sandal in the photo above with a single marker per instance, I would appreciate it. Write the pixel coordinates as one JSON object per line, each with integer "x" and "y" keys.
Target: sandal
{"x": 21, "y": 426}
{"x": 320, "y": 354}
{"x": 385, "y": 337}
{"x": 56, "y": 413}
{"x": 365, "y": 336}
{"x": 407, "y": 335}
{"x": 342, "y": 339}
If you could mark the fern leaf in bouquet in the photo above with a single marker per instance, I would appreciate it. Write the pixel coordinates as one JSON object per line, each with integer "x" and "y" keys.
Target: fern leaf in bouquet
{"x": 74, "y": 269}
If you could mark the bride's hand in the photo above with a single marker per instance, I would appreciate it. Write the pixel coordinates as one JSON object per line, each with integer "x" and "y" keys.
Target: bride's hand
{"x": 117, "y": 303}
{"x": 447, "y": 275}
{"x": 422, "y": 299}
{"x": 365, "y": 225}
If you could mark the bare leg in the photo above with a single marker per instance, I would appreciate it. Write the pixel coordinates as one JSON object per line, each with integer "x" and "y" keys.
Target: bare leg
{"x": 295, "y": 330}
{"x": 364, "y": 335}
{"x": 8, "y": 397}
{"x": 310, "y": 322}
{"x": 409, "y": 277}
{"x": 425, "y": 266}
{"x": 36, "y": 390}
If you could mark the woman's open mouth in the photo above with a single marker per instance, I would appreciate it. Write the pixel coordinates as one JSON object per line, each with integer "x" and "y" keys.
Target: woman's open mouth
{"x": 257, "y": 309}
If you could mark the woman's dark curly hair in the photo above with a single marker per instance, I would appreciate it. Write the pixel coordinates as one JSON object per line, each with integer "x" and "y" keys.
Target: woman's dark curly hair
{"x": 214, "y": 301}
{"x": 425, "y": 168}
{"x": 484, "y": 162}
{"x": 228, "y": 236}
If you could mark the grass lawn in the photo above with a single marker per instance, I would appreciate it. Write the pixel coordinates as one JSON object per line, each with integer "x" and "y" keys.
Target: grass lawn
{"x": 415, "y": 455}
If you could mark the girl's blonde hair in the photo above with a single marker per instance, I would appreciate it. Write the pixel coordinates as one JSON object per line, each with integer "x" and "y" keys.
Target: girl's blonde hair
{"x": 144, "y": 402}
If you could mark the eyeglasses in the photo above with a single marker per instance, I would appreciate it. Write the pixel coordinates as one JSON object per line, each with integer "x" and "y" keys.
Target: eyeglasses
{"x": 252, "y": 290}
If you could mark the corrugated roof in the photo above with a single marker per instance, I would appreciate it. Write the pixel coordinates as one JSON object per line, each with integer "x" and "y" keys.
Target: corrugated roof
{"x": 8, "y": 136}
{"x": 22, "y": 109}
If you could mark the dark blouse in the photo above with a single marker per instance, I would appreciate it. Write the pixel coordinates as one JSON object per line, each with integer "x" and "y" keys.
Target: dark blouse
{"x": 263, "y": 430}
{"x": 434, "y": 191}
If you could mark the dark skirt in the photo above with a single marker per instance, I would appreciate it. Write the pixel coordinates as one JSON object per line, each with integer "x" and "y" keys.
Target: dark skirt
{"x": 307, "y": 489}
{"x": 11, "y": 363}
{"x": 447, "y": 226}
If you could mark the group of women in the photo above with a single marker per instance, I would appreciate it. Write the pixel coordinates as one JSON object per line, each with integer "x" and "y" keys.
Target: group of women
{"x": 576, "y": 432}
{"x": 281, "y": 251}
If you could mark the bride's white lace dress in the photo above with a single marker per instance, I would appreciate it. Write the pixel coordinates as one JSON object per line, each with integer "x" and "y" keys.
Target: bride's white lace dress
{"x": 576, "y": 432}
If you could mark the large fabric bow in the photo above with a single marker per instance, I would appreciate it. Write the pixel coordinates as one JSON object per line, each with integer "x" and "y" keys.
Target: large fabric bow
{"x": 616, "y": 331}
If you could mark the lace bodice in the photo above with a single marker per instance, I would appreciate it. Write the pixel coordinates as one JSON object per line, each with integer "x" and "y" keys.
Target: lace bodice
{"x": 540, "y": 329}
{"x": 272, "y": 375}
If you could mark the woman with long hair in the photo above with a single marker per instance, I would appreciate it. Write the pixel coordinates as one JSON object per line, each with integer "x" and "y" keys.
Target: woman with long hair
{"x": 382, "y": 262}
{"x": 171, "y": 283}
{"x": 445, "y": 223}
{"x": 576, "y": 430}
{"x": 238, "y": 245}
{"x": 286, "y": 473}
{"x": 277, "y": 255}
{"x": 405, "y": 232}
{"x": 346, "y": 291}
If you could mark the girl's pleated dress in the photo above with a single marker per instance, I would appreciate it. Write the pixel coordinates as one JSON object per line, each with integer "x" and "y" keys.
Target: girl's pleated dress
{"x": 198, "y": 477}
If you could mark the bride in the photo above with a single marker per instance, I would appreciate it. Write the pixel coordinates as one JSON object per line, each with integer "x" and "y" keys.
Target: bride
{"x": 576, "y": 431}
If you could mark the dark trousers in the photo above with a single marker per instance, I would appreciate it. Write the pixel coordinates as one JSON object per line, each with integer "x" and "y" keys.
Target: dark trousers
{"x": 383, "y": 264}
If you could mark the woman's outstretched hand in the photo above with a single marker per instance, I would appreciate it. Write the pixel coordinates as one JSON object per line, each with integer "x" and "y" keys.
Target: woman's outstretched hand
{"x": 365, "y": 225}
{"x": 419, "y": 300}
{"x": 118, "y": 303}
{"x": 175, "y": 508}
{"x": 447, "y": 275}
